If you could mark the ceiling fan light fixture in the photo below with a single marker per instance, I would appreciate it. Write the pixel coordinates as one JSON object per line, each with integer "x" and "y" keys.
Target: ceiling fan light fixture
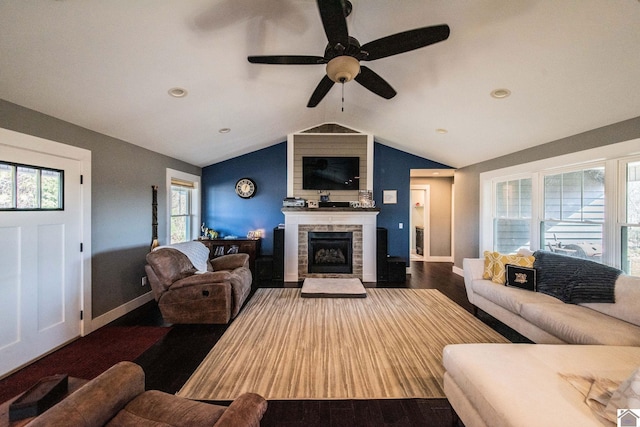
{"x": 342, "y": 69}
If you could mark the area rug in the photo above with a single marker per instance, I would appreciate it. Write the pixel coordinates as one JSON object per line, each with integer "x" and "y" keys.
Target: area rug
{"x": 315, "y": 287}
{"x": 388, "y": 345}
{"x": 87, "y": 357}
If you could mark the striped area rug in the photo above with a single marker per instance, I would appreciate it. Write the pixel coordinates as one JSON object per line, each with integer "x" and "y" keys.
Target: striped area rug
{"x": 388, "y": 345}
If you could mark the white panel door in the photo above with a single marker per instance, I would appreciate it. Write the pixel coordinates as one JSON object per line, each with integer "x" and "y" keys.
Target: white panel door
{"x": 40, "y": 268}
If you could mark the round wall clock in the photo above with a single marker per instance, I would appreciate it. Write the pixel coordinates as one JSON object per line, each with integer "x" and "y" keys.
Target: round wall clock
{"x": 246, "y": 188}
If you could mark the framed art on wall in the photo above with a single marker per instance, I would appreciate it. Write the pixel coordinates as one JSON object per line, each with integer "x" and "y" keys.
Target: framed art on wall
{"x": 389, "y": 197}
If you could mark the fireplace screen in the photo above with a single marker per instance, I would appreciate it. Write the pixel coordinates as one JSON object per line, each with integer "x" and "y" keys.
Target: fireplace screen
{"x": 330, "y": 252}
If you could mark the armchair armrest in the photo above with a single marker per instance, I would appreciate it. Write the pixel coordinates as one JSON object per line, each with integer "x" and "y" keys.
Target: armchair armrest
{"x": 230, "y": 262}
{"x": 246, "y": 410}
{"x": 99, "y": 400}
{"x": 202, "y": 279}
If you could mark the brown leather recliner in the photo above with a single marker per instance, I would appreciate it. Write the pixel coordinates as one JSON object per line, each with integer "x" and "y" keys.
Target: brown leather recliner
{"x": 187, "y": 296}
{"x": 117, "y": 397}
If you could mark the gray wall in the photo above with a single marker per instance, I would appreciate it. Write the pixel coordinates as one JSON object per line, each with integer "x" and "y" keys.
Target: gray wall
{"x": 122, "y": 176}
{"x": 467, "y": 179}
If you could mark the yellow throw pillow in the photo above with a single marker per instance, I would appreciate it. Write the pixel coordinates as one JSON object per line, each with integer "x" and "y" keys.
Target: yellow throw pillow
{"x": 500, "y": 260}
{"x": 488, "y": 265}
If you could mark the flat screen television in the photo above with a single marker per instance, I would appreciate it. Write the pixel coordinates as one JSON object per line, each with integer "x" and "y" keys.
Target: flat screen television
{"x": 330, "y": 173}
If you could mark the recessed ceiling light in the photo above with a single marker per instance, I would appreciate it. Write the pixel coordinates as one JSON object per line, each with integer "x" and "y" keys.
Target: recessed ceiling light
{"x": 178, "y": 92}
{"x": 441, "y": 130}
{"x": 224, "y": 130}
{"x": 500, "y": 93}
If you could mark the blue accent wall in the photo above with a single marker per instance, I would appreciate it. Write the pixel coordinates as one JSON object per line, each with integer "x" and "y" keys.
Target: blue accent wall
{"x": 227, "y": 213}
{"x": 391, "y": 171}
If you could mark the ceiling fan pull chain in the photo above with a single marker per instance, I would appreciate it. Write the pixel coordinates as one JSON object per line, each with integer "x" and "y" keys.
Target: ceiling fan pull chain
{"x": 343, "y": 96}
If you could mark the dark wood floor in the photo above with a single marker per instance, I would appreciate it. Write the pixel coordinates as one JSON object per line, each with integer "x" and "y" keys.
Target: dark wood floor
{"x": 170, "y": 362}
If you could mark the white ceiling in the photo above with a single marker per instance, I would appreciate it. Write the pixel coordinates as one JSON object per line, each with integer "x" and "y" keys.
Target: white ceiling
{"x": 572, "y": 66}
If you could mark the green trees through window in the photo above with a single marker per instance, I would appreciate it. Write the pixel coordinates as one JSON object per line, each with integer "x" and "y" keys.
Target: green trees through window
{"x": 25, "y": 187}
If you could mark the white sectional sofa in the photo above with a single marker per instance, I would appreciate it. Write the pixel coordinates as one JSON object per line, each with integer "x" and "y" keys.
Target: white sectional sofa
{"x": 525, "y": 385}
{"x": 547, "y": 320}
{"x": 535, "y": 384}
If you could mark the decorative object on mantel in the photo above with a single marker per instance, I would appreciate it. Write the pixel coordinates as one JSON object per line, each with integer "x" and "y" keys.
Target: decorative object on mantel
{"x": 154, "y": 218}
{"x": 364, "y": 196}
{"x": 390, "y": 197}
{"x": 324, "y": 195}
{"x": 312, "y": 204}
{"x": 254, "y": 234}
{"x": 293, "y": 202}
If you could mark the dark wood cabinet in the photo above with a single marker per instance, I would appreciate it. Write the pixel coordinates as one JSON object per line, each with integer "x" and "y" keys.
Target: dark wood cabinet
{"x": 219, "y": 247}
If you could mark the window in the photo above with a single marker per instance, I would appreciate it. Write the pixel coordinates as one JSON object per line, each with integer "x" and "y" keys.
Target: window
{"x": 180, "y": 213}
{"x": 512, "y": 215}
{"x": 183, "y": 205}
{"x": 573, "y": 215}
{"x": 24, "y": 187}
{"x": 585, "y": 204}
{"x": 630, "y": 226}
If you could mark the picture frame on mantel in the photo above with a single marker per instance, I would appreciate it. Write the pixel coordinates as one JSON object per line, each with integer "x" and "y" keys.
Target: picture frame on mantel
{"x": 390, "y": 197}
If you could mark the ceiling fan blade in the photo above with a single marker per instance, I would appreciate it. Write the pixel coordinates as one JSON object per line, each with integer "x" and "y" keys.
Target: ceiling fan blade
{"x": 321, "y": 90}
{"x": 405, "y": 41}
{"x": 375, "y": 83}
{"x": 334, "y": 21}
{"x": 286, "y": 59}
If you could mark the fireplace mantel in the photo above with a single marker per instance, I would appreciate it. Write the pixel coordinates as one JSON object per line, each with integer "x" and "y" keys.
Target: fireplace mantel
{"x": 295, "y": 217}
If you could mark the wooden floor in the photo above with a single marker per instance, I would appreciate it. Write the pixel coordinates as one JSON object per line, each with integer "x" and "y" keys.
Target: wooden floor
{"x": 170, "y": 362}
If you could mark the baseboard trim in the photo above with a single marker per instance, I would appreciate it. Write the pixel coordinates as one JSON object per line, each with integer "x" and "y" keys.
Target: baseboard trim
{"x": 118, "y": 312}
{"x": 438, "y": 259}
{"x": 458, "y": 271}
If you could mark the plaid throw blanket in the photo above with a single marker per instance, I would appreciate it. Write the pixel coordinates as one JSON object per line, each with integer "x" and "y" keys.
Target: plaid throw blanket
{"x": 574, "y": 280}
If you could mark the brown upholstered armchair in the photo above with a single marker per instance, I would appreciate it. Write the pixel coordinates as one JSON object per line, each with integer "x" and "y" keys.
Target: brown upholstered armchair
{"x": 117, "y": 397}
{"x": 186, "y": 295}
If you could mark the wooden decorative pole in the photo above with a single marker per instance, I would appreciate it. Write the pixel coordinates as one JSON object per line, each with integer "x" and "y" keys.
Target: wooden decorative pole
{"x": 154, "y": 217}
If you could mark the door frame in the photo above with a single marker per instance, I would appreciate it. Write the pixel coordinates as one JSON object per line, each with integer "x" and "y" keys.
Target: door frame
{"x": 40, "y": 145}
{"x": 425, "y": 220}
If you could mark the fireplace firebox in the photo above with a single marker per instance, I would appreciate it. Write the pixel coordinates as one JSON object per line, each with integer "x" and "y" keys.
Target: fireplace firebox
{"x": 330, "y": 252}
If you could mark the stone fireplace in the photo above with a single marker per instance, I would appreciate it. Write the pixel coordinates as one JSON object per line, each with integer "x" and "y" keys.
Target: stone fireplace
{"x": 330, "y": 224}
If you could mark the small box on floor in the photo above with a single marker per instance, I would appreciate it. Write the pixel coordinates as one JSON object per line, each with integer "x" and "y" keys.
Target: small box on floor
{"x": 397, "y": 269}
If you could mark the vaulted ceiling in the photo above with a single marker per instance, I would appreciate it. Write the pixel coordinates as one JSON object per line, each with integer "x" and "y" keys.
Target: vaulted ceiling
{"x": 571, "y": 66}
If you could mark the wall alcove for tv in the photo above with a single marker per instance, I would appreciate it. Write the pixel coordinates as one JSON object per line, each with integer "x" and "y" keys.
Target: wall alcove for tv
{"x": 329, "y": 140}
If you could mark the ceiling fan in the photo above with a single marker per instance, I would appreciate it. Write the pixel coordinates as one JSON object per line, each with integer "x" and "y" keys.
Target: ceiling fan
{"x": 344, "y": 53}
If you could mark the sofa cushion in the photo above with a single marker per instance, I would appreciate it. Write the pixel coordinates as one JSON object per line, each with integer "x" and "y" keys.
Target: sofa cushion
{"x": 521, "y": 277}
{"x": 580, "y": 325}
{"x": 627, "y": 305}
{"x": 500, "y": 262}
{"x": 197, "y": 253}
{"x": 169, "y": 265}
{"x": 489, "y": 261}
{"x": 156, "y": 408}
{"x": 510, "y": 298}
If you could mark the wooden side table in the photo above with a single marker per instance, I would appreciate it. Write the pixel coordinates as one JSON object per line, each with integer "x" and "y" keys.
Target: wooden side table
{"x": 74, "y": 384}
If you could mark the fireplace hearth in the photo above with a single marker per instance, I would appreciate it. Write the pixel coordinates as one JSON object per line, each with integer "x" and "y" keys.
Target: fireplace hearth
{"x": 330, "y": 252}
